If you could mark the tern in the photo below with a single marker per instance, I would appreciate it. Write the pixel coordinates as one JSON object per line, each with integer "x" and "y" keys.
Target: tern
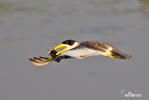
{"x": 81, "y": 50}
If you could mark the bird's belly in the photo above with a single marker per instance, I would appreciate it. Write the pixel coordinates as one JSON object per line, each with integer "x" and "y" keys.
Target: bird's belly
{"x": 82, "y": 53}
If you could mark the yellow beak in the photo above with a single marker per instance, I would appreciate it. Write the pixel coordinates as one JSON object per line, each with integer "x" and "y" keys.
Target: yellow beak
{"x": 57, "y": 47}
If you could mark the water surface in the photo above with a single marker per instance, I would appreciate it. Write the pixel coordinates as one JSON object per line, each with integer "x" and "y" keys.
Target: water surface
{"x": 29, "y": 28}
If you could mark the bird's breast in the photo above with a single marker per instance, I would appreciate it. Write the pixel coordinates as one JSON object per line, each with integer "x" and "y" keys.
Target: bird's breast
{"x": 79, "y": 53}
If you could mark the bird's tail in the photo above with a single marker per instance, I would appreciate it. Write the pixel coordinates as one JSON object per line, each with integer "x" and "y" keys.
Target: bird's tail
{"x": 117, "y": 54}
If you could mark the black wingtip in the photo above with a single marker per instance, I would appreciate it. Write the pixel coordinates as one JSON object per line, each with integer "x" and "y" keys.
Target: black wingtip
{"x": 121, "y": 55}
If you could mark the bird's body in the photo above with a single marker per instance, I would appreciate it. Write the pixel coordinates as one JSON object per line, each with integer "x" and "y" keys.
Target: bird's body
{"x": 94, "y": 48}
{"x": 81, "y": 53}
{"x": 80, "y": 50}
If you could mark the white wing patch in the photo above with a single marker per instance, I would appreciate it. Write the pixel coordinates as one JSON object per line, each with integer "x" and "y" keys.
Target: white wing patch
{"x": 108, "y": 51}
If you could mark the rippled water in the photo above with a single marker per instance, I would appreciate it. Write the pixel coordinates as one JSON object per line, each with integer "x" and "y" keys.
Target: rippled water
{"x": 29, "y": 28}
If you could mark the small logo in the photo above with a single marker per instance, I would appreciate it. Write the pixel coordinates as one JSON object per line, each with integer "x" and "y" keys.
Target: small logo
{"x": 131, "y": 94}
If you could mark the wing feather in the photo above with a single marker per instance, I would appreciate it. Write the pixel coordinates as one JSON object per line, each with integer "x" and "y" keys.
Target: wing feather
{"x": 96, "y": 45}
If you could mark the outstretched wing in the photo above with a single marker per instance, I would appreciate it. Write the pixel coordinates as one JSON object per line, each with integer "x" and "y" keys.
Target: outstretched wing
{"x": 41, "y": 61}
{"x": 96, "y": 45}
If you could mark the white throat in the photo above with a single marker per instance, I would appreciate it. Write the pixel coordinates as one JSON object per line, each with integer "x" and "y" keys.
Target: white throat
{"x": 72, "y": 46}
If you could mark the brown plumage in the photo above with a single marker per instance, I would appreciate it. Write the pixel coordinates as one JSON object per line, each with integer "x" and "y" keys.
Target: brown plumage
{"x": 102, "y": 46}
{"x": 97, "y": 45}
{"x": 121, "y": 55}
{"x": 41, "y": 61}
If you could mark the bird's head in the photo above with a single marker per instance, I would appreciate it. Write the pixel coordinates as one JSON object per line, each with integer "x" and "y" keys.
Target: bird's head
{"x": 66, "y": 45}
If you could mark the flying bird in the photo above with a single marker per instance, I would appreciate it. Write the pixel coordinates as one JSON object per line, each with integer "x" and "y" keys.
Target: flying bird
{"x": 81, "y": 50}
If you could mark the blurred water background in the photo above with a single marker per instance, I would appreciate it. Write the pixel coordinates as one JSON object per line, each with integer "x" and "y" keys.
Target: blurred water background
{"x": 29, "y": 28}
